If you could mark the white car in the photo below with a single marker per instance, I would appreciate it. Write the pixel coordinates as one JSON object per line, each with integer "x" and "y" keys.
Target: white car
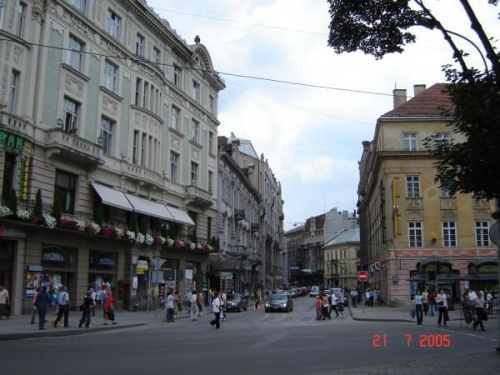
{"x": 314, "y": 292}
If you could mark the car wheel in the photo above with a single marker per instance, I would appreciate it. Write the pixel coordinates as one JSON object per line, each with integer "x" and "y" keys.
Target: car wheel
{"x": 266, "y": 310}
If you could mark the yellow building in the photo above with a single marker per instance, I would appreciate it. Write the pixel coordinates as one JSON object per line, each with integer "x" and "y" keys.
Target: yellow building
{"x": 418, "y": 235}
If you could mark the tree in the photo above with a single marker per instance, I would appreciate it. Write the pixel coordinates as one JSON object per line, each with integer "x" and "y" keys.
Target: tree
{"x": 56, "y": 207}
{"x": 38, "y": 210}
{"x": 379, "y": 27}
{"x": 98, "y": 216}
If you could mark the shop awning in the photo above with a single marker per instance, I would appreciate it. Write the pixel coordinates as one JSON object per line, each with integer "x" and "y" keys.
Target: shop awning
{"x": 180, "y": 216}
{"x": 150, "y": 208}
{"x": 487, "y": 276}
{"x": 427, "y": 261}
{"x": 112, "y": 197}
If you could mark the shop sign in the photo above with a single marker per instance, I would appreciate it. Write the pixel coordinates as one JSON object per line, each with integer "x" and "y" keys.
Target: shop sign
{"x": 142, "y": 267}
{"x": 53, "y": 256}
{"x": 35, "y": 268}
{"x": 226, "y": 275}
{"x": 12, "y": 140}
{"x": 106, "y": 261}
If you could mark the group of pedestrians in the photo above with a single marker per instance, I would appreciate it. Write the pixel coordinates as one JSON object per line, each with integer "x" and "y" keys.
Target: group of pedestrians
{"x": 325, "y": 304}
{"x": 473, "y": 306}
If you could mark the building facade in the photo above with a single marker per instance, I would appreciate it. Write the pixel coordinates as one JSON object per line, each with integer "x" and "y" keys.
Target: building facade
{"x": 417, "y": 234}
{"x": 110, "y": 117}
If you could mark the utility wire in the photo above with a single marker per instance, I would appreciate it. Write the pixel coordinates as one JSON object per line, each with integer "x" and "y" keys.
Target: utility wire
{"x": 142, "y": 60}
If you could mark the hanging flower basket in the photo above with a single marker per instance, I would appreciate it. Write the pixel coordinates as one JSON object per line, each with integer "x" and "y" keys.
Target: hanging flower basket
{"x": 68, "y": 224}
{"x": 108, "y": 231}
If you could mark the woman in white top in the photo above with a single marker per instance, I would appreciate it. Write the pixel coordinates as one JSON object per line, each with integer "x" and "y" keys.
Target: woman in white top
{"x": 442, "y": 305}
{"x": 216, "y": 307}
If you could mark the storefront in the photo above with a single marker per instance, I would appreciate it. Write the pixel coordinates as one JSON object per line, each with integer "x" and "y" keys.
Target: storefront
{"x": 483, "y": 275}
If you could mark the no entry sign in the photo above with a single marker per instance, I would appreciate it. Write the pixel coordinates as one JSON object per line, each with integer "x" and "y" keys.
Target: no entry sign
{"x": 362, "y": 276}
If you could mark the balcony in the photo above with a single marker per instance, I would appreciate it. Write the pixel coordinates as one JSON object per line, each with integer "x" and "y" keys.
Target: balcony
{"x": 70, "y": 146}
{"x": 17, "y": 124}
{"x": 198, "y": 197}
{"x": 141, "y": 174}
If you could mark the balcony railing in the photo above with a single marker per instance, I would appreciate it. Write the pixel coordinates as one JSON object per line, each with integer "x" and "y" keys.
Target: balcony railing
{"x": 198, "y": 197}
{"x": 17, "y": 124}
{"x": 70, "y": 146}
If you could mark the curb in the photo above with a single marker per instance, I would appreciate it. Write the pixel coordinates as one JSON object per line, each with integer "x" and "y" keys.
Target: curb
{"x": 64, "y": 332}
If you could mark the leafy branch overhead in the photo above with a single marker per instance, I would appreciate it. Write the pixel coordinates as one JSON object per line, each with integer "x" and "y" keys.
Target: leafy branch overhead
{"x": 379, "y": 27}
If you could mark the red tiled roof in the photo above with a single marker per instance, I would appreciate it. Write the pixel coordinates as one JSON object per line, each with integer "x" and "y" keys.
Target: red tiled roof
{"x": 429, "y": 103}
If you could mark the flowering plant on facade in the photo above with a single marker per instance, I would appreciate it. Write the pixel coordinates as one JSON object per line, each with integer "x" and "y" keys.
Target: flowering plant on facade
{"x": 178, "y": 243}
{"x": 49, "y": 221}
{"x": 170, "y": 242}
{"x": 192, "y": 245}
{"x": 4, "y": 211}
{"x": 92, "y": 227}
{"x": 159, "y": 240}
{"x": 140, "y": 239}
{"x": 23, "y": 214}
{"x": 70, "y": 224}
{"x": 80, "y": 225}
{"x": 108, "y": 231}
{"x": 130, "y": 235}
{"x": 149, "y": 239}
{"x": 119, "y": 232}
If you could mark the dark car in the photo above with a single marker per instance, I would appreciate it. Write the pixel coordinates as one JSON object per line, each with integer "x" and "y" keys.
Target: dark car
{"x": 279, "y": 302}
{"x": 236, "y": 302}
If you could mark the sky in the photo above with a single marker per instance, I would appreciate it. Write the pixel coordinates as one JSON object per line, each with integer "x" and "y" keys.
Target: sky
{"x": 311, "y": 137}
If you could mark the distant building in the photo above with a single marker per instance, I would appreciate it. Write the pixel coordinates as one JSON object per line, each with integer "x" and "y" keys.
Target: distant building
{"x": 414, "y": 234}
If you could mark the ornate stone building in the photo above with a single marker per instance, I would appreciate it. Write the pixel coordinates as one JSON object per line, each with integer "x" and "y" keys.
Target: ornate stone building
{"x": 418, "y": 235}
{"x": 112, "y": 117}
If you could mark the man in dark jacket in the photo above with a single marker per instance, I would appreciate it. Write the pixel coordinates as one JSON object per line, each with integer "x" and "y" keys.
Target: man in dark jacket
{"x": 42, "y": 303}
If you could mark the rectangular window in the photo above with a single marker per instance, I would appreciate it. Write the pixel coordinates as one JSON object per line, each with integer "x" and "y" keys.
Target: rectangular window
{"x": 412, "y": 186}
{"x": 211, "y": 103}
{"x": 110, "y": 74}
{"x": 209, "y": 229}
{"x": 13, "y": 92}
{"x": 194, "y": 173}
{"x": 65, "y": 189}
{"x": 482, "y": 233}
{"x": 135, "y": 151}
{"x": 176, "y": 118}
{"x": 113, "y": 25}
{"x": 174, "y": 166}
{"x": 144, "y": 145}
{"x": 410, "y": 141}
{"x": 139, "y": 46}
{"x": 156, "y": 57}
{"x": 75, "y": 54}
{"x": 211, "y": 140}
{"x": 210, "y": 182}
{"x": 107, "y": 136}
{"x": 444, "y": 192}
{"x": 196, "y": 91}
{"x": 195, "y": 131}
{"x": 21, "y": 9}
{"x": 81, "y": 5}
{"x": 177, "y": 76}
{"x": 443, "y": 139}
{"x": 71, "y": 113}
{"x": 145, "y": 96}
{"x": 449, "y": 234}
{"x": 2, "y": 11}
{"x": 138, "y": 91}
{"x": 415, "y": 233}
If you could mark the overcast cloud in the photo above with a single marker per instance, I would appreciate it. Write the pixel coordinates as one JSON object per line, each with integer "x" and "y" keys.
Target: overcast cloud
{"x": 311, "y": 137}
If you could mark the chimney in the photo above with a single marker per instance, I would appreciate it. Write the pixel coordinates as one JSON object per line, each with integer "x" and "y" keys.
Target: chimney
{"x": 417, "y": 89}
{"x": 399, "y": 97}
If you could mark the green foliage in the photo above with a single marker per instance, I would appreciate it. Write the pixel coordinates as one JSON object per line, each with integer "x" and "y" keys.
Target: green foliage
{"x": 12, "y": 202}
{"x": 144, "y": 224}
{"x": 134, "y": 224}
{"x": 471, "y": 165}
{"x": 98, "y": 216}
{"x": 56, "y": 208}
{"x": 38, "y": 210}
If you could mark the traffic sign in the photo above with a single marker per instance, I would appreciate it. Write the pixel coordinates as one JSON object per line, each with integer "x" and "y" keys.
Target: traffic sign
{"x": 362, "y": 276}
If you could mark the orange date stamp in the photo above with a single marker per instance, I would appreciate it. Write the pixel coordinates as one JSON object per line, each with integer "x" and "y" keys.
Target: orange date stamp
{"x": 429, "y": 340}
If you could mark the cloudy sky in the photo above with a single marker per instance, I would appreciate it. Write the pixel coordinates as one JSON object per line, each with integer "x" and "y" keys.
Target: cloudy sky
{"x": 311, "y": 136}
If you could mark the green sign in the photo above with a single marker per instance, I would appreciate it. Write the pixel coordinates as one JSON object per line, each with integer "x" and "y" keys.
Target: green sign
{"x": 12, "y": 140}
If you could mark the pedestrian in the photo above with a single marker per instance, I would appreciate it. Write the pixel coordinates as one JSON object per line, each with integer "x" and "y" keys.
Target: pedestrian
{"x": 34, "y": 314}
{"x": 43, "y": 303}
{"x": 86, "y": 309}
{"x": 318, "y": 307}
{"x": 371, "y": 297}
{"x": 442, "y": 306}
{"x": 354, "y": 296}
{"x": 431, "y": 298}
{"x": 200, "y": 301}
{"x": 194, "y": 306}
{"x": 467, "y": 309}
{"x": 419, "y": 307}
{"x": 334, "y": 305}
{"x": 93, "y": 295}
{"x": 367, "y": 297}
{"x": 258, "y": 296}
{"x": 223, "y": 306}
{"x": 324, "y": 308}
{"x": 177, "y": 304}
{"x": 341, "y": 309}
{"x": 188, "y": 301}
{"x": 479, "y": 307}
{"x": 64, "y": 305}
{"x": 425, "y": 301}
{"x": 169, "y": 307}
{"x": 216, "y": 305}
{"x": 4, "y": 302}
{"x": 108, "y": 308}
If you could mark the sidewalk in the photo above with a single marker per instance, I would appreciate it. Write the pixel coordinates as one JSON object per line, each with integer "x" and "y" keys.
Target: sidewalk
{"x": 19, "y": 327}
{"x": 395, "y": 314}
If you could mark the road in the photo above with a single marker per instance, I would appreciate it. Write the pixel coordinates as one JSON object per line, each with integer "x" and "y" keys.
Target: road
{"x": 251, "y": 342}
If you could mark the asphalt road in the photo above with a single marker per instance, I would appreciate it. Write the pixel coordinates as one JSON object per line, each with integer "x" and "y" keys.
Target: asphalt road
{"x": 251, "y": 342}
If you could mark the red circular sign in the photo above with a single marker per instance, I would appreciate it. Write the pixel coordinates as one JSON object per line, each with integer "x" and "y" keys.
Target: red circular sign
{"x": 362, "y": 276}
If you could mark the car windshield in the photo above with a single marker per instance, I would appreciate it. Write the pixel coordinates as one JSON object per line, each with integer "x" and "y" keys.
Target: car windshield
{"x": 278, "y": 297}
{"x": 232, "y": 297}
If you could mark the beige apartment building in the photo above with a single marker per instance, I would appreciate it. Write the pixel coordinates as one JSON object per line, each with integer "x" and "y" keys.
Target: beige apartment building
{"x": 414, "y": 235}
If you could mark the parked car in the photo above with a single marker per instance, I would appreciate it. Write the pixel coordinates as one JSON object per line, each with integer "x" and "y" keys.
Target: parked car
{"x": 293, "y": 293}
{"x": 314, "y": 292}
{"x": 279, "y": 302}
{"x": 236, "y": 302}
